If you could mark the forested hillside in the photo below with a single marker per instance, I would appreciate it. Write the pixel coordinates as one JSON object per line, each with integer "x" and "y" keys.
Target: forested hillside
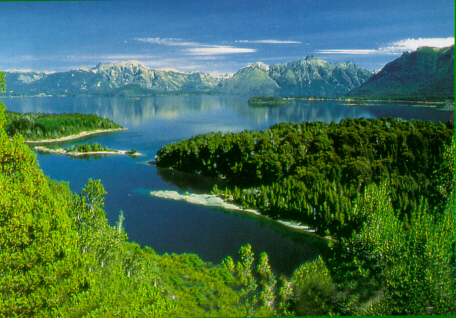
{"x": 383, "y": 189}
{"x": 316, "y": 172}
{"x": 425, "y": 74}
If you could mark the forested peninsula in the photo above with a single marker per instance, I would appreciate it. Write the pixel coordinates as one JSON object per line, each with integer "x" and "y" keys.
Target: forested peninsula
{"x": 383, "y": 189}
{"x": 315, "y": 173}
{"x": 86, "y": 150}
{"x": 41, "y": 128}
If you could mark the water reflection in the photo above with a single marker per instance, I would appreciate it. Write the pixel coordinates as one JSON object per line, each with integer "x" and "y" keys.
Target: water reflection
{"x": 136, "y": 111}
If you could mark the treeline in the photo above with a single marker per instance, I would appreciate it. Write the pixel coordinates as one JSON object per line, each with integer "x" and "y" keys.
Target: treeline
{"x": 383, "y": 189}
{"x": 267, "y": 101}
{"x": 51, "y": 126}
{"x": 95, "y": 147}
{"x": 315, "y": 172}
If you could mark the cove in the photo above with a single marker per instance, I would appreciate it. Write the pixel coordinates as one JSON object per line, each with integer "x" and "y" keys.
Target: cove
{"x": 174, "y": 226}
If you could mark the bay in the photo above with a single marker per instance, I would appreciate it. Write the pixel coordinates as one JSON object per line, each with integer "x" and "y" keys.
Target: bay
{"x": 178, "y": 227}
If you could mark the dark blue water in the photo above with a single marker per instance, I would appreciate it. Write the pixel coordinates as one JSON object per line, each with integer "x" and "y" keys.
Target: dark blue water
{"x": 178, "y": 227}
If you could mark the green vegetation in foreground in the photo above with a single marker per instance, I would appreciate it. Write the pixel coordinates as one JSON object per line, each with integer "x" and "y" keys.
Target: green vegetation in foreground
{"x": 35, "y": 127}
{"x": 59, "y": 257}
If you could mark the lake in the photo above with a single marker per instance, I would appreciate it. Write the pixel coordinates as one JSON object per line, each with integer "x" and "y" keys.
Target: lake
{"x": 179, "y": 227}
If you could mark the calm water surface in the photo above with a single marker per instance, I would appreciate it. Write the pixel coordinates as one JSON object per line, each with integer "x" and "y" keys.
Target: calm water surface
{"x": 178, "y": 227}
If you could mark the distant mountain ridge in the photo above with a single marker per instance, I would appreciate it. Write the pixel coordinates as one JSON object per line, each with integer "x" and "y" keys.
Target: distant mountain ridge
{"x": 315, "y": 77}
{"x": 309, "y": 77}
{"x": 425, "y": 74}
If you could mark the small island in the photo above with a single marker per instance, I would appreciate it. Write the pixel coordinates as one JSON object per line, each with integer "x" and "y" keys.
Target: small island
{"x": 267, "y": 101}
{"x": 86, "y": 150}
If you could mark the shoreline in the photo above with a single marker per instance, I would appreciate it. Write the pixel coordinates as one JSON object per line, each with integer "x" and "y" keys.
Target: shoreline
{"x": 282, "y": 101}
{"x": 211, "y": 200}
{"x": 60, "y": 151}
{"x": 74, "y": 137}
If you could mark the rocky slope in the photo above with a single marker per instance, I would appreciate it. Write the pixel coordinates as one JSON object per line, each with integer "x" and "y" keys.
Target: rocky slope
{"x": 314, "y": 77}
{"x": 425, "y": 74}
{"x": 107, "y": 77}
{"x": 310, "y": 77}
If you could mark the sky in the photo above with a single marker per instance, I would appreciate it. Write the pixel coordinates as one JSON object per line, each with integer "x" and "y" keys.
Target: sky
{"x": 214, "y": 36}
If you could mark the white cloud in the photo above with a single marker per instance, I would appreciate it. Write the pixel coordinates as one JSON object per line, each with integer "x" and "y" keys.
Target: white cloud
{"x": 395, "y": 47}
{"x": 198, "y": 48}
{"x": 269, "y": 42}
{"x": 167, "y": 41}
{"x": 413, "y": 44}
{"x": 109, "y": 57}
{"x": 219, "y": 50}
{"x": 349, "y": 52}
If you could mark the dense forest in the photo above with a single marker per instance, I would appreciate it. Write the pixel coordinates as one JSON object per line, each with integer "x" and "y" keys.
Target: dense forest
{"x": 383, "y": 189}
{"x": 59, "y": 257}
{"x": 316, "y": 173}
{"x": 52, "y": 126}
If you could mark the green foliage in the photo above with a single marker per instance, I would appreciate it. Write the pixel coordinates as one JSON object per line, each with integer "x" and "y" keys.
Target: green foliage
{"x": 394, "y": 268}
{"x": 2, "y": 82}
{"x": 260, "y": 294}
{"x": 383, "y": 189}
{"x": 199, "y": 289}
{"x": 59, "y": 256}
{"x": 316, "y": 173}
{"x": 316, "y": 294}
{"x": 40, "y": 264}
{"x": 51, "y": 126}
{"x": 389, "y": 267}
{"x": 131, "y": 152}
{"x": 267, "y": 101}
{"x": 95, "y": 147}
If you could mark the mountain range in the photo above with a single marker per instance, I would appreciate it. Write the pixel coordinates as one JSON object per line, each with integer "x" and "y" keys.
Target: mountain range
{"x": 309, "y": 77}
{"x": 427, "y": 73}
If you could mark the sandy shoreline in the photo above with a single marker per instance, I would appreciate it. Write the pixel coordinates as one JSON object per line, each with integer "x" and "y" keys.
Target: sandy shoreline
{"x": 215, "y": 201}
{"x": 73, "y": 137}
{"x": 77, "y": 154}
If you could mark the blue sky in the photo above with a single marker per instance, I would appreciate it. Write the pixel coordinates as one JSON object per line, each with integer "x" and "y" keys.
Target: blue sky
{"x": 217, "y": 36}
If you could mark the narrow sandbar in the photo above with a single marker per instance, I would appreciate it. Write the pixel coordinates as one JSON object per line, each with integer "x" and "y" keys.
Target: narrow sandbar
{"x": 73, "y": 137}
{"x": 215, "y": 201}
